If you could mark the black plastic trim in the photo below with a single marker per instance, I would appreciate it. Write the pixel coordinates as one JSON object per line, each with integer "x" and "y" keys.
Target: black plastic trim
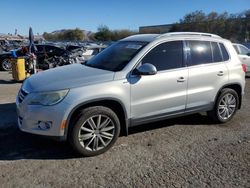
{"x": 93, "y": 101}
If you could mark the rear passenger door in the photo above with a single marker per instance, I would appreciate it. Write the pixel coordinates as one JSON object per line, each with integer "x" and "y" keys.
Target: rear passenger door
{"x": 207, "y": 73}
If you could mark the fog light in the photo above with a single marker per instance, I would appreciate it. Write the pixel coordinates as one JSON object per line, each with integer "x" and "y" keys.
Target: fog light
{"x": 44, "y": 125}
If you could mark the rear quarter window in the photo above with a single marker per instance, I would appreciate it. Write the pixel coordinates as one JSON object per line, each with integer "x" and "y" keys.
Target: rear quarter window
{"x": 217, "y": 55}
{"x": 224, "y": 52}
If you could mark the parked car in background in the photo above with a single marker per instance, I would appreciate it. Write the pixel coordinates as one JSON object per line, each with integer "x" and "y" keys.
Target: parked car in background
{"x": 92, "y": 50}
{"x": 43, "y": 51}
{"x": 244, "y": 54}
{"x": 140, "y": 79}
{"x": 49, "y": 55}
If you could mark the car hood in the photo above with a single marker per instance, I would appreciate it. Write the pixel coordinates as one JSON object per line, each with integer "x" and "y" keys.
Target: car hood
{"x": 66, "y": 77}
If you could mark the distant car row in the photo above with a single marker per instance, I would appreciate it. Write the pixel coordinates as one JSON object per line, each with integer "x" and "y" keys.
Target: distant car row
{"x": 47, "y": 53}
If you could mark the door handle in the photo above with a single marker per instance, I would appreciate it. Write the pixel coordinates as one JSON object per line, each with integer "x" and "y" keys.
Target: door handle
{"x": 220, "y": 73}
{"x": 181, "y": 79}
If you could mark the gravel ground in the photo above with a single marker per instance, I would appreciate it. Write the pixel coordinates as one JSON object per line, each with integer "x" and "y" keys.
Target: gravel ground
{"x": 184, "y": 152}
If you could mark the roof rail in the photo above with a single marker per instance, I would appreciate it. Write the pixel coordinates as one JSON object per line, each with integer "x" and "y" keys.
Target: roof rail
{"x": 190, "y": 33}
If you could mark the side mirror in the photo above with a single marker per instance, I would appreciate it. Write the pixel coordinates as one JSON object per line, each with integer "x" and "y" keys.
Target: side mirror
{"x": 146, "y": 69}
{"x": 248, "y": 54}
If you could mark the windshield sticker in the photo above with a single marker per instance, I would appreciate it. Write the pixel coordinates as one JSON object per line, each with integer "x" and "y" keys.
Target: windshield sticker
{"x": 134, "y": 46}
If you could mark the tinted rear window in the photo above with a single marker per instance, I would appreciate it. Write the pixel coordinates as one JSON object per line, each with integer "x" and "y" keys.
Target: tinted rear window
{"x": 200, "y": 52}
{"x": 224, "y": 52}
{"x": 217, "y": 57}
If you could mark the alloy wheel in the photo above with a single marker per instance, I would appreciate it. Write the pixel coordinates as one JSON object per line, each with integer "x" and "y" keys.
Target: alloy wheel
{"x": 96, "y": 132}
{"x": 227, "y": 106}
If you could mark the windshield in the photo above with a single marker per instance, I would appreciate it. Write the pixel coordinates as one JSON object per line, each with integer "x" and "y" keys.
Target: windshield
{"x": 117, "y": 56}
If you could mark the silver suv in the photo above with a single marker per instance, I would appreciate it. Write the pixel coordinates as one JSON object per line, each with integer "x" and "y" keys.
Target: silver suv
{"x": 139, "y": 79}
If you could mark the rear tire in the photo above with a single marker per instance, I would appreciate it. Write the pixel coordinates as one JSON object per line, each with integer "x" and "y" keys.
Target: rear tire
{"x": 95, "y": 131}
{"x": 225, "y": 107}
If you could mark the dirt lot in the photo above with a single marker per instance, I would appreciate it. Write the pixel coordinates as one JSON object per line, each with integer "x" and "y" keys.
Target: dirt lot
{"x": 182, "y": 152}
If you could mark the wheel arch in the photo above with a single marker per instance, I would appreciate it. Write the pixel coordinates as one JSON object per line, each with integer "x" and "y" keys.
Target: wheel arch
{"x": 235, "y": 86}
{"x": 114, "y": 104}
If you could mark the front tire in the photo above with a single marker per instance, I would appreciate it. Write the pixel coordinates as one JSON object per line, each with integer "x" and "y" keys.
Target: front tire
{"x": 95, "y": 131}
{"x": 225, "y": 107}
{"x": 6, "y": 64}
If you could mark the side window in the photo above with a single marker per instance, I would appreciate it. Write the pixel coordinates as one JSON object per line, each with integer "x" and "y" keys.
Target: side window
{"x": 216, "y": 52}
{"x": 243, "y": 50}
{"x": 166, "y": 56}
{"x": 200, "y": 52}
{"x": 224, "y": 52}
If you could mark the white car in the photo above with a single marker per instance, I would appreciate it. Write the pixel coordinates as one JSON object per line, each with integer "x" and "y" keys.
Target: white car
{"x": 137, "y": 80}
{"x": 244, "y": 55}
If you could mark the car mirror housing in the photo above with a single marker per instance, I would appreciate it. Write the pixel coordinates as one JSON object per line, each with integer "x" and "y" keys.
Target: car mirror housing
{"x": 146, "y": 69}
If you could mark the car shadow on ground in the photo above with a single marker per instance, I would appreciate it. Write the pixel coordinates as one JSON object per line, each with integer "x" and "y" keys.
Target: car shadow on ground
{"x": 194, "y": 119}
{"x": 9, "y": 82}
{"x": 16, "y": 145}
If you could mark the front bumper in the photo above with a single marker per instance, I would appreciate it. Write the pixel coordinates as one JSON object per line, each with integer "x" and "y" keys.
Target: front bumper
{"x": 31, "y": 116}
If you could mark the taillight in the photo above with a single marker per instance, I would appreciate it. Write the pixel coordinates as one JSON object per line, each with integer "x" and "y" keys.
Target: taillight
{"x": 244, "y": 68}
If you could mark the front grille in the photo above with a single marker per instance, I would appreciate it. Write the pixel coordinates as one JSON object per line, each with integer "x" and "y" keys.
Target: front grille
{"x": 22, "y": 95}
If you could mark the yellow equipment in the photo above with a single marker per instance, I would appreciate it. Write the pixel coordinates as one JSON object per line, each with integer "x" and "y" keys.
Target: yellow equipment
{"x": 18, "y": 69}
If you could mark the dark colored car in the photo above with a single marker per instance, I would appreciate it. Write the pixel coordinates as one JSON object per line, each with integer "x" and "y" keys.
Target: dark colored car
{"x": 43, "y": 52}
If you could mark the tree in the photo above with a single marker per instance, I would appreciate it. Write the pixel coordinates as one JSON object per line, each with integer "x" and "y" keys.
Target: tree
{"x": 234, "y": 26}
{"x": 103, "y": 33}
{"x": 120, "y": 34}
{"x": 66, "y": 35}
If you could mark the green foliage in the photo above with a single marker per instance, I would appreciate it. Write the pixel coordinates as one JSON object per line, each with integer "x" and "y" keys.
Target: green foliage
{"x": 120, "y": 34}
{"x": 235, "y": 27}
{"x": 67, "y": 35}
{"x": 152, "y": 30}
{"x": 105, "y": 34}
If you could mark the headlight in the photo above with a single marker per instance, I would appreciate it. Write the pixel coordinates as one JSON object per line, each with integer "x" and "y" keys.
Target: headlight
{"x": 47, "y": 98}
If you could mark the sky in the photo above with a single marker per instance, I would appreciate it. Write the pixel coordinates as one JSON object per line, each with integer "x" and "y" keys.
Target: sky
{"x": 51, "y": 15}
